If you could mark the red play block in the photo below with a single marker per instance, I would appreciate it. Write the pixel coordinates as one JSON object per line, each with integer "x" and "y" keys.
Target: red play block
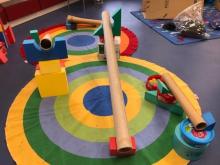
{"x": 3, "y": 58}
{"x": 113, "y": 146}
{"x": 3, "y": 53}
{"x": 10, "y": 35}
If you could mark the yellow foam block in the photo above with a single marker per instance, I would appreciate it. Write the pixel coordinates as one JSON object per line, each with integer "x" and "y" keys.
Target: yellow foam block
{"x": 52, "y": 84}
{"x": 49, "y": 66}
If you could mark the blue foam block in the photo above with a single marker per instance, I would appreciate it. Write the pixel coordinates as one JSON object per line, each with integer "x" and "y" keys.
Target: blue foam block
{"x": 35, "y": 54}
{"x": 210, "y": 120}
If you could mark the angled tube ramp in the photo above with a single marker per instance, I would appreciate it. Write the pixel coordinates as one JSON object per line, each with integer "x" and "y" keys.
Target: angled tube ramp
{"x": 196, "y": 119}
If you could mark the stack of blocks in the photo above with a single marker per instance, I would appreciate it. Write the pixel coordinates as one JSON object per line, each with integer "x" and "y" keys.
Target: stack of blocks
{"x": 116, "y": 29}
{"x": 117, "y": 43}
{"x": 51, "y": 77}
{"x": 6, "y": 38}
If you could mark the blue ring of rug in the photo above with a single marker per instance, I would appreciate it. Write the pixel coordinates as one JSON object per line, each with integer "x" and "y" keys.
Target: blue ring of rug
{"x": 98, "y": 101}
{"x": 81, "y": 40}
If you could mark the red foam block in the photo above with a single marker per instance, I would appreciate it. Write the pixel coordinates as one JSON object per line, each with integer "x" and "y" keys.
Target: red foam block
{"x": 3, "y": 53}
{"x": 10, "y": 35}
{"x": 113, "y": 146}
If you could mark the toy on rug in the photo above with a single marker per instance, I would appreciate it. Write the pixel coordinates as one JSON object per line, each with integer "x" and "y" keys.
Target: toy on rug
{"x": 123, "y": 144}
{"x": 116, "y": 29}
{"x": 51, "y": 76}
{"x": 193, "y": 135}
{"x": 191, "y": 143}
{"x": 6, "y": 38}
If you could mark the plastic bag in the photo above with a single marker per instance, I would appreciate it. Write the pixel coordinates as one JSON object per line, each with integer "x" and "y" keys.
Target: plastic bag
{"x": 190, "y": 22}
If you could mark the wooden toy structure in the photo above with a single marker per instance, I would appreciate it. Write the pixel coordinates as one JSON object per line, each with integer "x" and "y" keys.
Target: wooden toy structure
{"x": 123, "y": 144}
{"x": 193, "y": 135}
{"x": 116, "y": 30}
{"x": 51, "y": 77}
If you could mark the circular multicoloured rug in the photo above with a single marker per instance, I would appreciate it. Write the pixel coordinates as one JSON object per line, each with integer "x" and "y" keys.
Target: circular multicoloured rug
{"x": 75, "y": 128}
{"x": 82, "y": 41}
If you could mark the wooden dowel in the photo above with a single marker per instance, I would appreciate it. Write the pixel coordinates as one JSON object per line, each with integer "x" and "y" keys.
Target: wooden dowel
{"x": 196, "y": 119}
{"x": 123, "y": 138}
{"x": 83, "y": 20}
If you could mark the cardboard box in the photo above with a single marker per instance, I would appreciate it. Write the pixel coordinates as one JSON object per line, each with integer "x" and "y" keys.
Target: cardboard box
{"x": 165, "y": 9}
{"x": 217, "y": 4}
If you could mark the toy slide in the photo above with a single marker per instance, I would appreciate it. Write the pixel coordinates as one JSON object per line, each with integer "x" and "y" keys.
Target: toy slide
{"x": 196, "y": 119}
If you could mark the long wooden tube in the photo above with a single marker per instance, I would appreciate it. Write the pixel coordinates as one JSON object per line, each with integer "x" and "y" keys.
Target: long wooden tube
{"x": 196, "y": 119}
{"x": 83, "y": 20}
{"x": 123, "y": 138}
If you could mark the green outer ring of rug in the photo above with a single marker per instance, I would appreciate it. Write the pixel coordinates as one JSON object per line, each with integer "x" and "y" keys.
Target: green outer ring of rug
{"x": 64, "y": 117}
{"x": 43, "y": 146}
{"x": 81, "y": 52}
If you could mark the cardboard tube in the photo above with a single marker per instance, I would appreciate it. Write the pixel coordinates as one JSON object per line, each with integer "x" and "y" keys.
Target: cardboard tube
{"x": 83, "y": 20}
{"x": 123, "y": 138}
{"x": 46, "y": 42}
{"x": 196, "y": 119}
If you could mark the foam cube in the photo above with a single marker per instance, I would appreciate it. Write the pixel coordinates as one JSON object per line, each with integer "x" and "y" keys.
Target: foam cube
{"x": 10, "y": 35}
{"x": 35, "y": 54}
{"x": 51, "y": 66}
{"x": 3, "y": 58}
{"x": 52, "y": 84}
{"x": 35, "y": 35}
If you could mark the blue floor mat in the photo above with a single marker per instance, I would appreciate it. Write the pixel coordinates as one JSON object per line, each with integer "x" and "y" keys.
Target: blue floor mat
{"x": 210, "y": 13}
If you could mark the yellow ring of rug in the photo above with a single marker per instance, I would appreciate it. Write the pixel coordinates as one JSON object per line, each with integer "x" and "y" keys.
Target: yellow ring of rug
{"x": 79, "y": 112}
{"x": 19, "y": 146}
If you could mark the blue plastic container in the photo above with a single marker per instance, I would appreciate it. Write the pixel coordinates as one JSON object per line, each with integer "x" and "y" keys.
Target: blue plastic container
{"x": 193, "y": 137}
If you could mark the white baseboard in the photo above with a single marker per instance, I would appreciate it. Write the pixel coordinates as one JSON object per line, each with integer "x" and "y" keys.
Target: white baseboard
{"x": 39, "y": 13}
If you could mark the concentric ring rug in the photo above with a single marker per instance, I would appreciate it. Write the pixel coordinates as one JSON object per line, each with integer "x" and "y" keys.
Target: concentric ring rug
{"x": 75, "y": 128}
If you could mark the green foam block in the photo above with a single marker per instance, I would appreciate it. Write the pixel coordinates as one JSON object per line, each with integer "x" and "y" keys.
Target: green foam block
{"x": 162, "y": 87}
{"x": 34, "y": 35}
